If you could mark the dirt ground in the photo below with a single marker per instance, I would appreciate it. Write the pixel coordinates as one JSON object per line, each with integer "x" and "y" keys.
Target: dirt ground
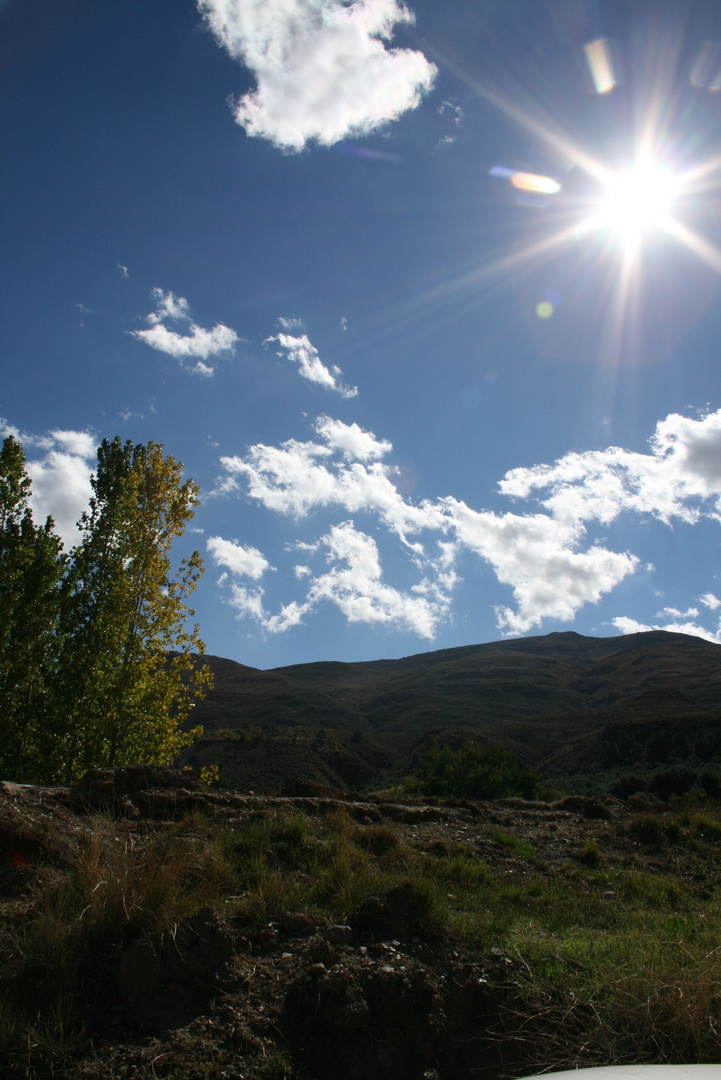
{"x": 297, "y": 997}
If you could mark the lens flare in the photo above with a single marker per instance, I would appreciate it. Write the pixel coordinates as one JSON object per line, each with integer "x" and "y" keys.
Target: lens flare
{"x": 530, "y": 182}
{"x": 600, "y": 64}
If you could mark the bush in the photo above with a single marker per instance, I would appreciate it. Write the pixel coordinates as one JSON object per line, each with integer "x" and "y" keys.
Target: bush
{"x": 476, "y": 772}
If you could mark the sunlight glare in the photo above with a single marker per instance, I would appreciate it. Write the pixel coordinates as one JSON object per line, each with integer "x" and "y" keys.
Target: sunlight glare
{"x": 638, "y": 200}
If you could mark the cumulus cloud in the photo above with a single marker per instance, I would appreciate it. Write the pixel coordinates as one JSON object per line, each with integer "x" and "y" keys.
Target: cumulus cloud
{"x": 322, "y": 67}
{"x": 536, "y": 554}
{"x": 197, "y": 343}
{"x": 354, "y": 585}
{"x": 300, "y": 351}
{"x": 674, "y": 480}
{"x": 297, "y": 477}
{"x": 238, "y": 559}
{"x": 167, "y": 306}
{"x": 59, "y": 465}
{"x": 544, "y": 555}
{"x": 352, "y": 441}
{"x": 627, "y": 625}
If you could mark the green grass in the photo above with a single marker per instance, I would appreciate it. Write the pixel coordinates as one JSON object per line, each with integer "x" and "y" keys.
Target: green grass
{"x": 514, "y": 844}
{"x": 640, "y": 947}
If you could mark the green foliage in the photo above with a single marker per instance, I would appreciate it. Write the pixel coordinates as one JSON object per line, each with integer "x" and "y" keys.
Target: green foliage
{"x": 514, "y": 844}
{"x": 590, "y": 855}
{"x": 31, "y": 569}
{"x": 98, "y": 665}
{"x": 476, "y": 772}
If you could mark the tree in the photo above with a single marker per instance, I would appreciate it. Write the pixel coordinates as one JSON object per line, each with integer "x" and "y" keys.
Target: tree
{"x": 31, "y": 571}
{"x": 477, "y": 772}
{"x": 125, "y": 614}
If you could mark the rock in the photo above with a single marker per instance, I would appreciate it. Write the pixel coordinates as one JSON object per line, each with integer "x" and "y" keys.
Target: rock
{"x": 338, "y": 935}
{"x": 645, "y": 802}
{"x": 297, "y": 923}
{"x": 154, "y": 789}
{"x": 382, "y": 1025}
{"x": 321, "y": 951}
{"x": 266, "y": 940}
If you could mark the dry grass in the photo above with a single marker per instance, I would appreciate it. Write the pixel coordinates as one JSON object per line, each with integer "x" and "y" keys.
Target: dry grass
{"x": 615, "y": 964}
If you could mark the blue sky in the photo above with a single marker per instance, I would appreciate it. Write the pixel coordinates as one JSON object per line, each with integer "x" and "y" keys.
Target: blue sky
{"x": 425, "y": 298}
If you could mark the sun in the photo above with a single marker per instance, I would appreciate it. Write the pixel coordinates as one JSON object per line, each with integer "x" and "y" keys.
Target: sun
{"x": 637, "y": 200}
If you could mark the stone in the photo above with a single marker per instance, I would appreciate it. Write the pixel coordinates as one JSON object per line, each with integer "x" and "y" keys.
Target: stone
{"x": 338, "y": 935}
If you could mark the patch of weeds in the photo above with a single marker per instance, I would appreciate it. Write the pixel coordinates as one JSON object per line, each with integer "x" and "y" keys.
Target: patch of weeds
{"x": 377, "y": 839}
{"x": 430, "y": 912}
{"x": 344, "y": 877}
{"x": 513, "y": 843}
{"x": 276, "y": 1066}
{"x": 590, "y": 854}
{"x": 464, "y": 870}
{"x": 13, "y": 1036}
{"x": 193, "y": 820}
{"x": 649, "y": 829}
{"x": 656, "y": 890}
{"x": 268, "y": 892}
{"x": 290, "y": 838}
{"x": 703, "y": 825}
{"x": 251, "y": 840}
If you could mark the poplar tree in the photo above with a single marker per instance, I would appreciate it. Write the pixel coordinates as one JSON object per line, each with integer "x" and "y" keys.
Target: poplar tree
{"x": 129, "y": 658}
{"x": 31, "y": 571}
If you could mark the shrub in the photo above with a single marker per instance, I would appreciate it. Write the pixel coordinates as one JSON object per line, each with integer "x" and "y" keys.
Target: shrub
{"x": 476, "y": 772}
{"x": 590, "y": 855}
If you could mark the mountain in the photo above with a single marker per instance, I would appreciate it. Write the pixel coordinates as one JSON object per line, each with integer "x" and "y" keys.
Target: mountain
{"x": 557, "y": 700}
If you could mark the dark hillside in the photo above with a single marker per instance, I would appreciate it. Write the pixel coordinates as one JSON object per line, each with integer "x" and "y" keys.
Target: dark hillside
{"x": 246, "y": 696}
{"x": 582, "y": 712}
{"x": 557, "y": 673}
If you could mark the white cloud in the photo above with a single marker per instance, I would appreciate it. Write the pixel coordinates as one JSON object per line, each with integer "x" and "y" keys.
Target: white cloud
{"x": 354, "y": 443}
{"x": 298, "y": 477}
{"x": 290, "y": 324}
{"x": 536, "y": 555}
{"x": 240, "y": 560}
{"x": 544, "y": 555}
{"x": 60, "y": 475}
{"x": 80, "y": 444}
{"x": 322, "y": 69}
{"x": 305, "y": 355}
{"x": 167, "y": 306}
{"x": 682, "y": 471}
{"x": 354, "y": 585}
{"x": 198, "y": 343}
{"x": 674, "y": 613}
{"x": 632, "y": 626}
{"x": 247, "y": 602}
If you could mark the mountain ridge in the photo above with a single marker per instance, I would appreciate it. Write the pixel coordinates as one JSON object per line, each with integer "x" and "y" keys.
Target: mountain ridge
{"x": 586, "y": 714}
{"x": 512, "y": 679}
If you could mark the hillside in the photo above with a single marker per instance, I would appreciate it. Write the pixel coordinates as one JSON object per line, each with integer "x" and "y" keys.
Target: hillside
{"x": 562, "y": 702}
